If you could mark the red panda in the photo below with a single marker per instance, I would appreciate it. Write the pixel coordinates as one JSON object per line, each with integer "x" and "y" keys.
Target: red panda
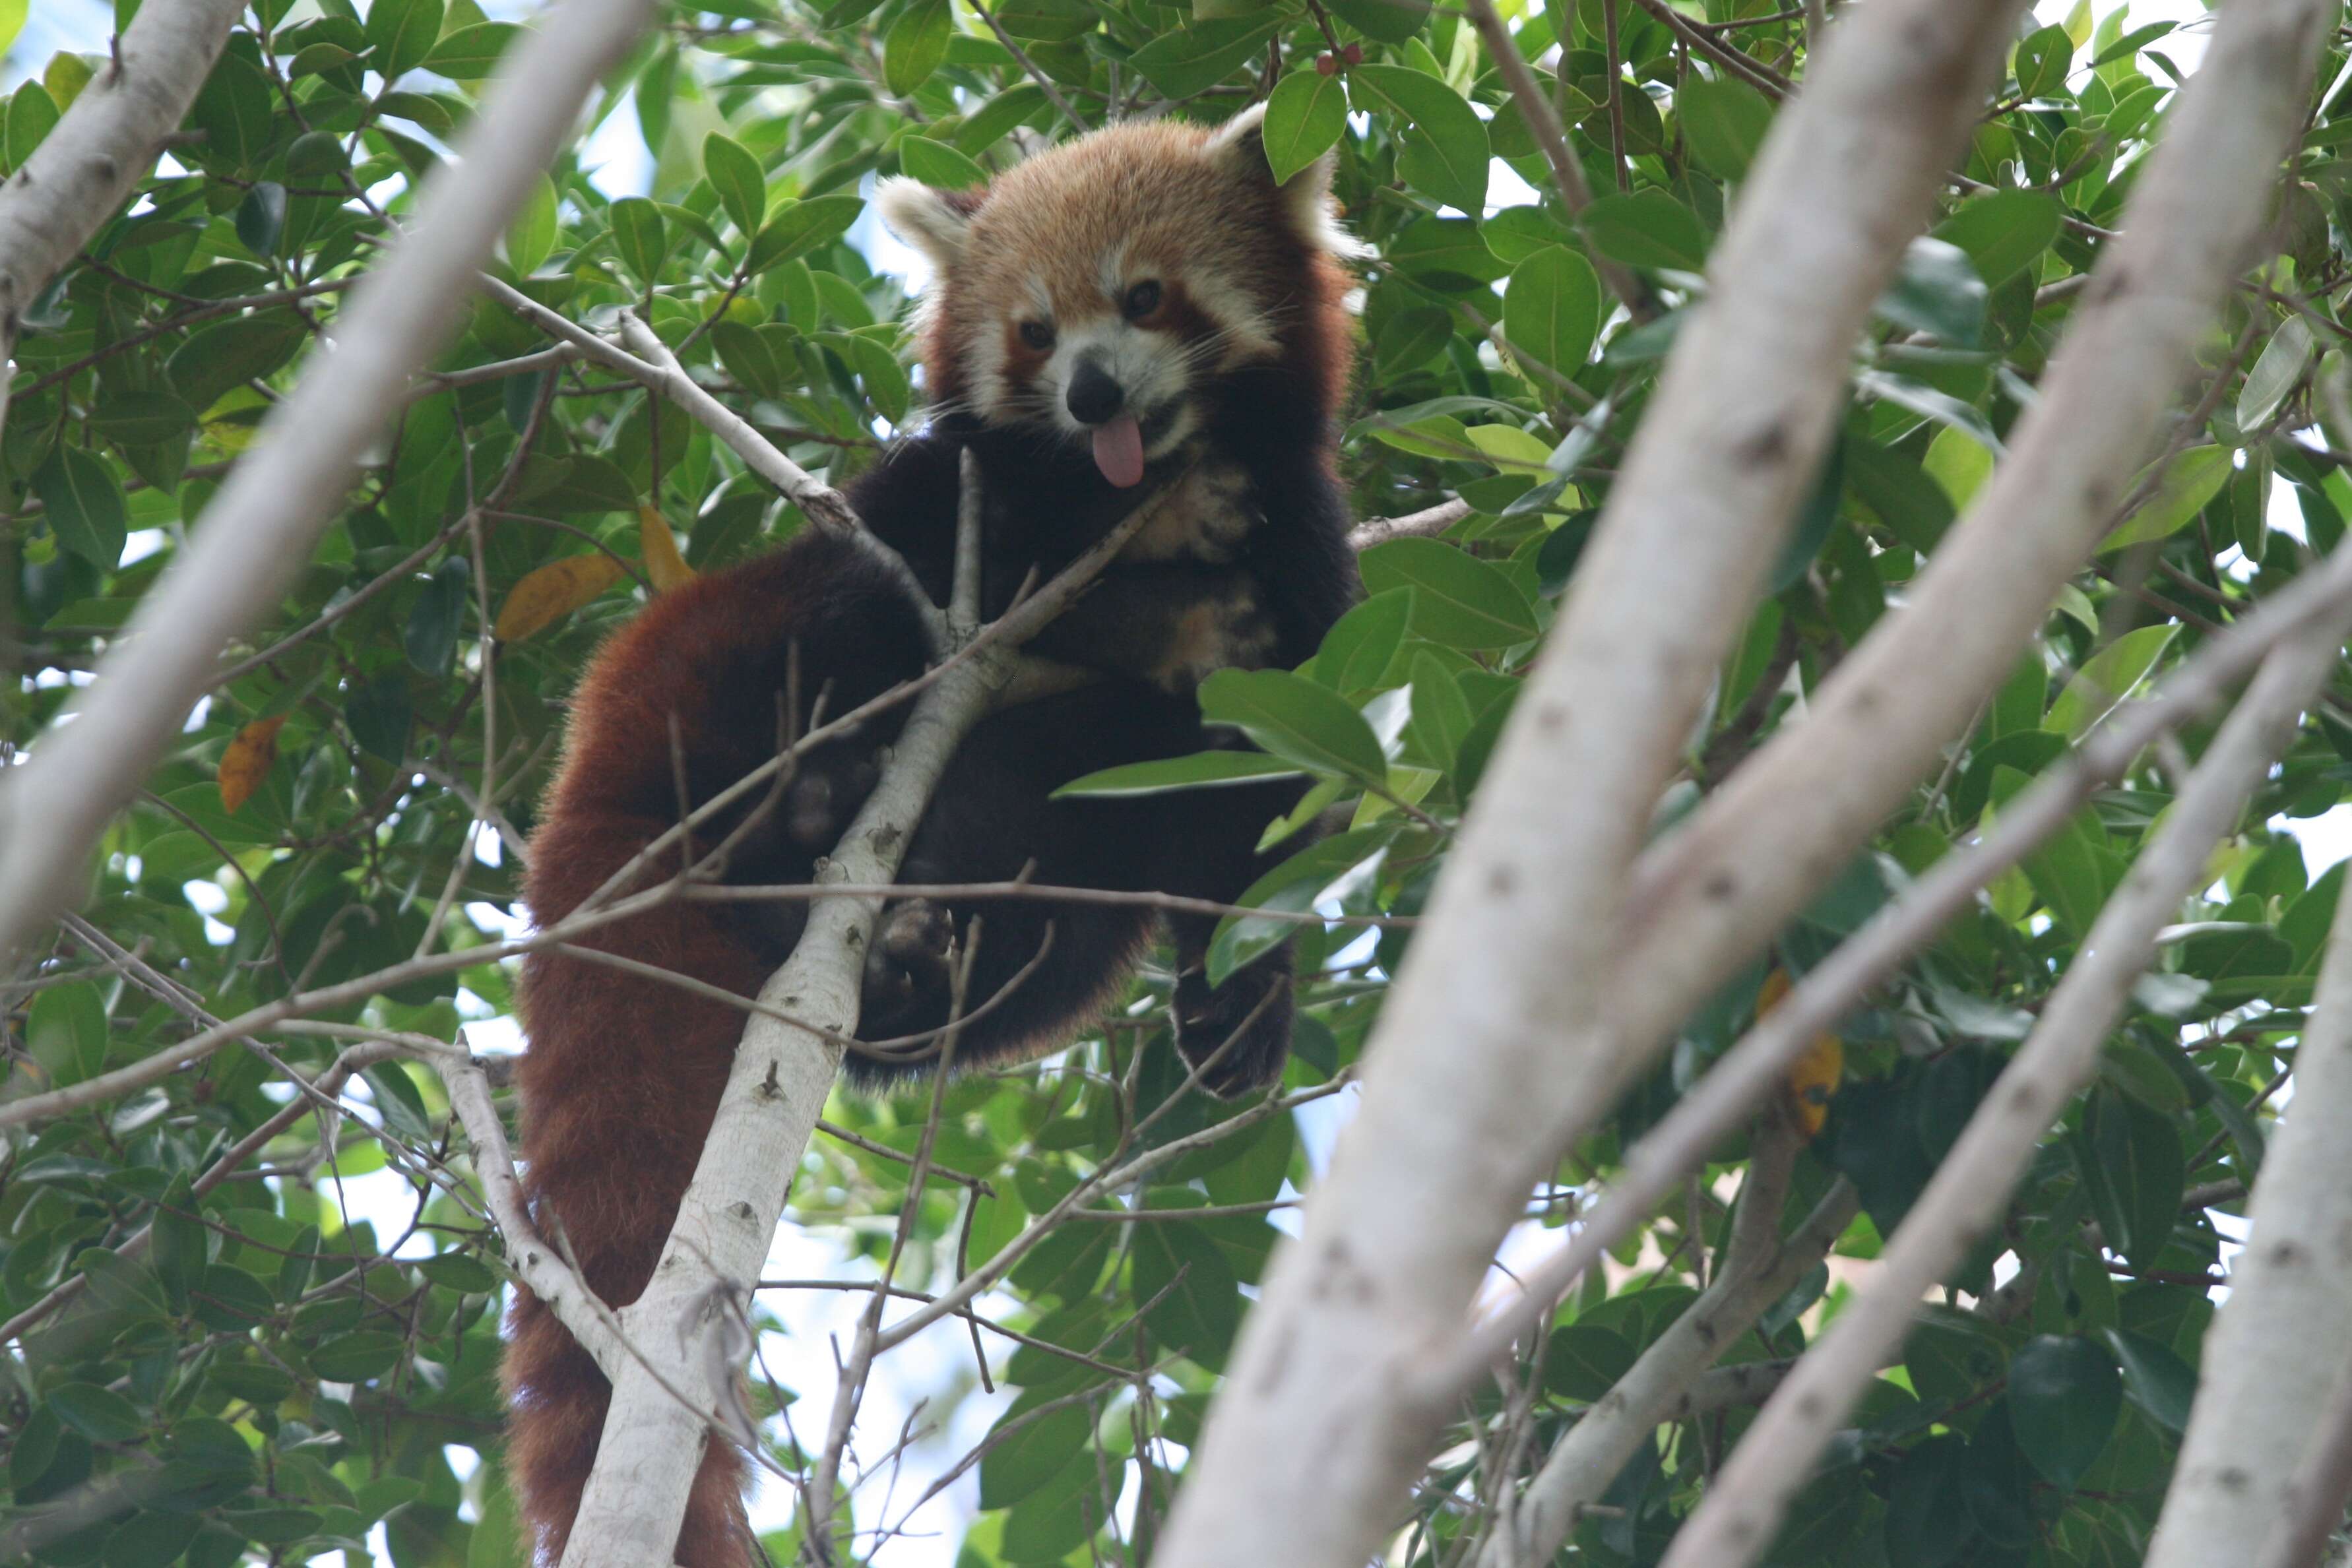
{"x": 1144, "y": 302}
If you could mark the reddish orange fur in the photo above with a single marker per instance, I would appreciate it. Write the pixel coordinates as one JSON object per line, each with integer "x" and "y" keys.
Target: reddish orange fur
{"x": 623, "y": 1072}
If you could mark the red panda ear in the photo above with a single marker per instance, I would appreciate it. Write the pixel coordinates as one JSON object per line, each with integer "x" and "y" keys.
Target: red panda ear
{"x": 937, "y": 223}
{"x": 1239, "y": 144}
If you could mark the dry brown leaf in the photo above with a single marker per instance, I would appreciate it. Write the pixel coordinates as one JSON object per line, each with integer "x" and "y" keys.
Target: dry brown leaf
{"x": 247, "y": 761}
{"x": 547, "y": 593}
{"x": 665, "y": 568}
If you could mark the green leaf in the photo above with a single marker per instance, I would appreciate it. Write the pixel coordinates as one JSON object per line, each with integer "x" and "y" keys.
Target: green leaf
{"x": 99, "y": 1414}
{"x": 66, "y": 1032}
{"x": 2155, "y": 1378}
{"x": 2004, "y": 231}
{"x": 1553, "y": 309}
{"x": 178, "y": 1242}
{"x": 1647, "y": 228}
{"x": 1299, "y": 884}
{"x": 736, "y": 175}
{"x": 2043, "y": 60}
{"x": 2190, "y": 479}
{"x": 799, "y": 227}
{"x": 356, "y": 1357}
{"x": 2064, "y": 1395}
{"x": 532, "y": 235}
{"x": 936, "y": 163}
{"x": 430, "y": 639}
{"x": 1291, "y": 717}
{"x": 31, "y": 112}
{"x": 229, "y": 354}
{"x": 1031, "y": 1455}
{"x": 1190, "y": 60}
{"x": 2109, "y": 677}
{"x": 1200, "y": 1301}
{"x": 401, "y": 35}
{"x": 1723, "y": 123}
{"x": 1387, "y": 21}
{"x": 2275, "y": 372}
{"x": 149, "y": 1540}
{"x": 132, "y": 418}
{"x": 2131, "y": 1163}
{"x": 915, "y": 45}
{"x": 1447, "y": 154}
{"x": 1928, "y": 1522}
{"x": 471, "y": 53}
{"x": 1458, "y": 600}
{"x": 1200, "y": 769}
{"x": 640, "y": 237}
{"x": 12, "y": 21}
{"x": 261, "y": 218}
{"x": 1357, "y": 650}
{"x": 1935, "y": 290}
{"x": 84, "y": 502}
{"x": 236, "y": 111}
{"x": 1304, "y": 120}
{"x": 1584, "y": 1360}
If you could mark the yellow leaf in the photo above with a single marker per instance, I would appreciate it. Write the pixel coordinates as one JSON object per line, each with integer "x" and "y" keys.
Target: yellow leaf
{"x": 247, "y": 762}
{"x": 1814, "y": 1077}
{"x": 665, "y": 568}
{"x": 549, "y": 593}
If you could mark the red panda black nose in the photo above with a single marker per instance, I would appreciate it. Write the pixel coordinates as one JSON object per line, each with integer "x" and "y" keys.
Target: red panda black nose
{"x": 1093, "y": 396}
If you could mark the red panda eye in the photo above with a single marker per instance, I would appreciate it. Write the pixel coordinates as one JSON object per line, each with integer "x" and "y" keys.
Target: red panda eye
{"x": 1038, "y": 335}
{"x": 1141, "y": 301}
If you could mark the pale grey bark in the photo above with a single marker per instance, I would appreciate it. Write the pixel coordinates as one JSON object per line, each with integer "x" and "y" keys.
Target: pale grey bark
{"x": 1329, "y": 1404}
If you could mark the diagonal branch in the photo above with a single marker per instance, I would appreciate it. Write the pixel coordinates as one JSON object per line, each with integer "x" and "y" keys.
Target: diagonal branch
{"x": 1964, "y": 1200}
{"x": 101, "y": 149}
{"x": 275, "y": 502}
{"x": 1329, "y": 1405}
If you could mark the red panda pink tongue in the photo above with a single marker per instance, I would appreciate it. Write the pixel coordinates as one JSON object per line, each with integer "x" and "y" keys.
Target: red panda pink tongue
{"x": 1118, "y": 451}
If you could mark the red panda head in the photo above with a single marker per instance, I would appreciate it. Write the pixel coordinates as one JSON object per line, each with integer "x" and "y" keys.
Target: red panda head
{"x": 1104, "y": 290}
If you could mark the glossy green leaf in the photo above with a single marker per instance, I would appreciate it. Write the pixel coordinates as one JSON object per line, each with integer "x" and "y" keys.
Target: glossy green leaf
{"x": 99, "y": 1414}
{"x": 736, "y": 175}
{"x": 1649, "y": 229}
{"x": 2063, "y": 1397}
{"x": 1304, "y": 117}
{"x": 1446, "y": 155}
{"x": 2275, "y": 372}
{"x": 2004, "y": 233}
{"x": 83, "y": 501}
{"x": 470, "y": 53}
{"x": 1458, "y": 600}
{"x": 1356, "y": 652}
{"x": 1723, "y": 121}
{"x": 2111, "y": 675}
{"x": 1553, "y": 308}
{"x": 1187, "y": 60}
{"x": 227, "y": 354}
{"x": 2190, "y": 479}
{"x": 800, "y": 227}
{"x": 936, "y": 163}
{"x": 1199, "y": 769}
{"x": 2132, "y": 1165}
{"x": 401, "y": 35}
{"x": 1292, "y": 718}
{"x": 531, "y": 233}
{"x": 640, "y": 237}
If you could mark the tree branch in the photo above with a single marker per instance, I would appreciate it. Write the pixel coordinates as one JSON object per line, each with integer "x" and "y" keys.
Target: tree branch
{"x": 1964, "y": 1200}
{"x": 782, "y": 1073}
{"x": 1715, "y": 891}
{"x": 2273, "y": 1360}
{"x": 1329, "y": 1402}
{"x": 1752, "y": 1071}
{"x": 99, "y": 149}
{"x": 276, "y": 500}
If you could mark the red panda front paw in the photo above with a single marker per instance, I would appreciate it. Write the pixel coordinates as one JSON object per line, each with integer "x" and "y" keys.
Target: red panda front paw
{"x": 821, "y": 802}
{"x": 1241, "y": 1031}
{"x": 907, "y": 969}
